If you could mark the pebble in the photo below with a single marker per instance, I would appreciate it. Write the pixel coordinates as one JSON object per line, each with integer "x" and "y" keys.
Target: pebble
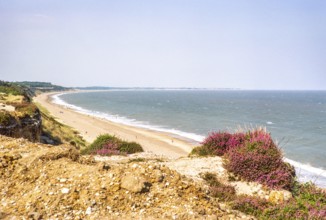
{"x": 63, "y": 180}
{"x": 65, "y": 190}
{"x": 88, "y": 211}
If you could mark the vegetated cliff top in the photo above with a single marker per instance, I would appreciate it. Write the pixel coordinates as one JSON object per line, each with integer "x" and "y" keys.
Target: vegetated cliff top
{"x": 37, "y": 87}
{"x": 19, "y": 117}
{"x": 16, "y": 98}
{"x": 15, "y": 101}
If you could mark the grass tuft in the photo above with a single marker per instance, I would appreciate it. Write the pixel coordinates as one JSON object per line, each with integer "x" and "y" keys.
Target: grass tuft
{"x": 218, "y": 189}
{"x": 58, "y": 132}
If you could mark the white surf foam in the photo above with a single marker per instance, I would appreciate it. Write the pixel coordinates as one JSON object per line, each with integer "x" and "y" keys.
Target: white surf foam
{"x": 305, "y": 172}
{"x": 126, "y": 121}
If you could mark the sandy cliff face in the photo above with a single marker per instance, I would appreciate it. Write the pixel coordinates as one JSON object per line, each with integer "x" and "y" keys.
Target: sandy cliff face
{"x": 41, "y": 181}
{"x": 27, "y": 126}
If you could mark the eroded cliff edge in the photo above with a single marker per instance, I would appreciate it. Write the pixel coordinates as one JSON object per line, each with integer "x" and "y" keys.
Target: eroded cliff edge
{"x": 42, "y": 181}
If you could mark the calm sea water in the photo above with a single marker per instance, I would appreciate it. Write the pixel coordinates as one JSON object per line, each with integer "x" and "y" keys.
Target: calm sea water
{"x": 296, "y": 119}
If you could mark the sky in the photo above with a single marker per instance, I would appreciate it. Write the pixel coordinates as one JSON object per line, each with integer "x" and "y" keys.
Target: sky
{"x": 246, "y": 44}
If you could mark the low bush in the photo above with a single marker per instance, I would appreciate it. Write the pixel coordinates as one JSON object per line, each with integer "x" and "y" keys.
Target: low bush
{"x": 309, "y": 202}
{"x": 259, "y": 159}
{"x": 110, "y": 145}
{"x": 200, "y": 151}
{"x": 218, "y": 189}
{"x": 5, "y": 118}
{"x": 57, "y": 132}
{"x": 26, "y": 109}
{"x": 250, "y": 205}
{"x": 252, "y": 156}
{"x": 108, "y": 149}
{"x": 218, "y": 143}
{"x": 11, "y": 89}
{"x": 130, "y": 147}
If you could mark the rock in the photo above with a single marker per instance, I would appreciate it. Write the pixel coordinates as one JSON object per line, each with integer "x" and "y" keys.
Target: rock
{"x": 28, "y": 126}
{"x": 103, "y": 166}
{"x": 88, "y": 211}
{"x": 34, "y": 216}
{"x": 158, "y": 176}
{"x": 63, "y": 180}
{"x": 279, "y": 196}
{"x": 57, "y": 183}
{"x": 46, "y": 140}
{"x": 134, "y": 183}
{"x": 65, "y": 190}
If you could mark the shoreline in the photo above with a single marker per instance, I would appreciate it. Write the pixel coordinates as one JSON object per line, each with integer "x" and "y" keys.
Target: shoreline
{"x": 90, "y": 127}
{"x": 158, "y": 142}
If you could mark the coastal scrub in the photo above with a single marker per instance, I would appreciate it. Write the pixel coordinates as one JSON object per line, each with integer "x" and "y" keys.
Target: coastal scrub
{"x": 251, "y": 156}
{"x": 107, "y": 145}
{"x": 308, "y": 202}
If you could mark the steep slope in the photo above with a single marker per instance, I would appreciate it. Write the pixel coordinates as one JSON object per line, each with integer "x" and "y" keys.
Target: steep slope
{"x": 42, "y": 181}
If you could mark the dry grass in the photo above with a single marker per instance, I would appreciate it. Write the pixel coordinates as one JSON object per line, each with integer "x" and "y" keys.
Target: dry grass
{"x": 4, "y": 98}
{"x": 59, "y": 132}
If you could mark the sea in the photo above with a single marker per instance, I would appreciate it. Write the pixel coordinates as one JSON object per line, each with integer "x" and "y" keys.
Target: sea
{"x": 296, "y": 119}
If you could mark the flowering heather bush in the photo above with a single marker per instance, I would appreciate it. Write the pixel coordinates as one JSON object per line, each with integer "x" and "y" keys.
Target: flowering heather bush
{"x": 259, "y": 159}
{"x": 282, "y": 177}
{"x": 111, "y": 145}
{"x": 253, "y": 156}
{"x": 309, "y": 202}
{"x": 218, "y": 143}
{"x": 108, "y": 150}
{"x": 223, "y": 192}
{"x": 250, "y": 205}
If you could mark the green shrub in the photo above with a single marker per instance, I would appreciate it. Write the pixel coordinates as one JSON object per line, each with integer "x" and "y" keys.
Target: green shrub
{"x": 109, "y": 145}
{"x": 218, "y": 143}
{"x": 259, "y": 159}
{"x": 218, "y": 189}
{"x": 5, "y": 118}
{"x": 200, "y": 151}
{"x": 251, "y": 156}
{"x": 250, "y": 205}
{"x": 130, "y": 147}
{"x": 140, "y": 159}
{"x": 26, "y": 108}
{"x": 10, "y": 89}
{"x": 98, "y": 144}
{"x": 309, "y": 202}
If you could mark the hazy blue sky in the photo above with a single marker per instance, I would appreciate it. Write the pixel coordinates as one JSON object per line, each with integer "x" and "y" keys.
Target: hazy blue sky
{"x": 246, "y": 44}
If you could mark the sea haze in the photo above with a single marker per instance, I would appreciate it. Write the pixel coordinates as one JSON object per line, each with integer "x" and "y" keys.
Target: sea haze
{"x": 296, "y": 119}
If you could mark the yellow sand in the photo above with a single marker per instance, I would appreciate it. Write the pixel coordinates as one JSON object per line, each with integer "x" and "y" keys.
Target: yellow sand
{"x": 90, "y": 127}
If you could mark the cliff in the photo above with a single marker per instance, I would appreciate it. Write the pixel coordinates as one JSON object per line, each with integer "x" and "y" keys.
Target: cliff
{"x": 26, "y": 126}
{"x": 40, "y": 181}
{"x": 19, "y": 117}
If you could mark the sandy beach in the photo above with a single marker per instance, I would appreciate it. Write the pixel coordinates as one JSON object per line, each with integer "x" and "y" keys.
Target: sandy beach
{"x": 90, "y": 127}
